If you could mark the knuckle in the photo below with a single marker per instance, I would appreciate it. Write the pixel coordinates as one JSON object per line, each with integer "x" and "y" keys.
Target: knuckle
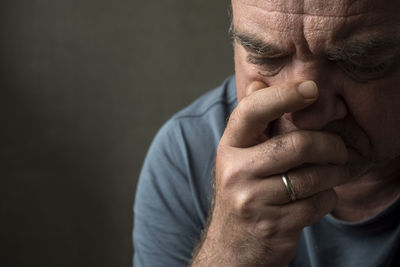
{"x": 228, "y": 170}
{"x": 280, "y": 97}
{"x": 266, "y": 229}
{"x": 309, "y": 182}
{"x": 228, "y": 174}
{"x": 272, "y": 148}
{"x": 301, "y": 141}
{"x": 245, "y": 108}
{"x": 242, "y": 204}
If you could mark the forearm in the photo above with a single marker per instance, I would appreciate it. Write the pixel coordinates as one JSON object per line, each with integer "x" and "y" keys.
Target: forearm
{"x": 211, "y": 251}
{"x": 225, "y": 245}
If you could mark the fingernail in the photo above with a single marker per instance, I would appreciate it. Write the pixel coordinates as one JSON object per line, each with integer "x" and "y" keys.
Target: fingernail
{"x": 308, "y": 89}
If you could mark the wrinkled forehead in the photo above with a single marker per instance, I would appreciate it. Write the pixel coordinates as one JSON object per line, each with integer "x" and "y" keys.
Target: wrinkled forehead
{"x": 322, "y": 7}
{"x": 317, "y": 20}
{"x": 318, "y": 7}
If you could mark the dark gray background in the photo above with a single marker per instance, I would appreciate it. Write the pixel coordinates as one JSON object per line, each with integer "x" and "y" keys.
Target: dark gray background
{"x": 85, "y": 85}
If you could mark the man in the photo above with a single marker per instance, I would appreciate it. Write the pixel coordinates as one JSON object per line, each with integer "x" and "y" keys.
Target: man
{"x": 307, "y": 167}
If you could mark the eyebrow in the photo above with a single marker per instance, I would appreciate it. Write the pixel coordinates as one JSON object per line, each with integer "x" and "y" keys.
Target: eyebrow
{"x": 365, "y": 51}
{"x": 254, "y": 44}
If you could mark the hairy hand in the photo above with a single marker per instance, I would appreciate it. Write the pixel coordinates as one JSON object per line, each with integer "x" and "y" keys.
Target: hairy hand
{"x": 253, "y": 221}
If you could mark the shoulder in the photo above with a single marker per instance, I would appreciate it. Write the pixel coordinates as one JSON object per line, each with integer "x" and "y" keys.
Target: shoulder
{"x": 175, "y": 185}
{"x": 181, "y": 156}
{"x": 194, "y": 132}
{"x": 191, "y": 136}
{"x": 182, "y": 153}
{"x": 222, "y": 98}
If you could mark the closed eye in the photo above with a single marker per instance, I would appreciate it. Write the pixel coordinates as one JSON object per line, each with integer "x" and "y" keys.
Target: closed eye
{"x": 268, "y": 65}
{"x": 364, "y": 73}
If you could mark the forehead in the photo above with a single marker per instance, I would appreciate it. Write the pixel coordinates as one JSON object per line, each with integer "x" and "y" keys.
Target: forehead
{"x": 316, "y": 22}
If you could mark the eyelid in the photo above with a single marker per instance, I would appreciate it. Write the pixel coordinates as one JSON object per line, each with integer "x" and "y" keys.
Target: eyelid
{"x": 267, "y": 66}
{"x": 263, "y": 60}
{"x": 274, "y": 55}
{"x": 364, "y": 73}
{"x": 260, "y": 52}
{"x": 364, "y": 59}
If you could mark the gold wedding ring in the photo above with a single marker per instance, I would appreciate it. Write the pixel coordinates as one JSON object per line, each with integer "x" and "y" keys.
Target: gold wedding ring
{"x": 289, "y": 187}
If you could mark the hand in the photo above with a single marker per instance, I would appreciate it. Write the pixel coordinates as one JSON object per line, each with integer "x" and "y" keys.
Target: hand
{"x": 253, "y": 221}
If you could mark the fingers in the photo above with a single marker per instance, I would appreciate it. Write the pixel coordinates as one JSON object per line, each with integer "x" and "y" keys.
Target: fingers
{"x": 250, "y": 194}
{"x": 253, "y": 114}
{"x": 314, "y": 162}
{"x": 284, "y": 152}
{"x": 306, "y": 181}
{"x": 308, "y": 211}
{"x": 287, "y": 218}
{"x": 255, "y": 86}
{"x": 310, "y": 180}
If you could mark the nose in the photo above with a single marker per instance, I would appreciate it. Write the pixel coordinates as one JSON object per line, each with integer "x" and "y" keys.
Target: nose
{"x": 330, "y": 105}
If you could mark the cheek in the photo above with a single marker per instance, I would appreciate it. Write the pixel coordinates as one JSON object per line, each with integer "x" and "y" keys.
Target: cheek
{"x": 376, "y": 108}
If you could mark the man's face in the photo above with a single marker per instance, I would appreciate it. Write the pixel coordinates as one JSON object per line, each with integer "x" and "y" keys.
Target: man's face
{"x": 350, "y": 48}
